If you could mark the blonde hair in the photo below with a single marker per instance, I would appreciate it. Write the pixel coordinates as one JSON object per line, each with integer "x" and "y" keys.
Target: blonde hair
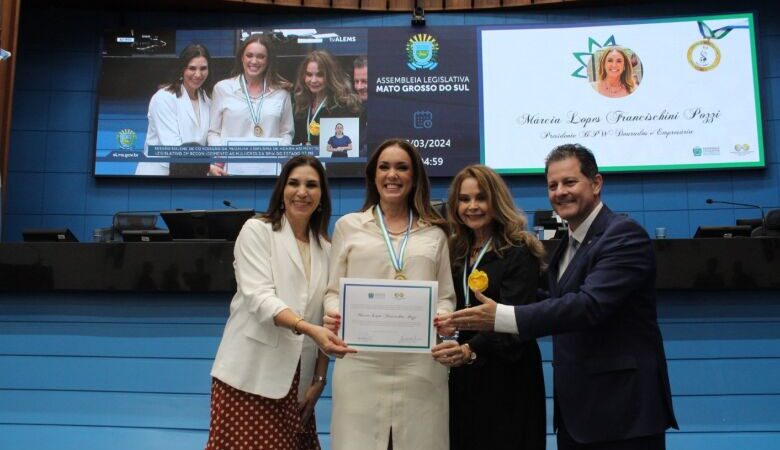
{"x": 508, "y": 222}
{"x": 627, "y": 77}
{"x": 337, "y": 85}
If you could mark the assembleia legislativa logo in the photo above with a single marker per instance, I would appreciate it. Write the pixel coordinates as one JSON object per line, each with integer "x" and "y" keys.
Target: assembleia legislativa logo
{"x": 422, "y": 51}
{"x": 126, "y": 139}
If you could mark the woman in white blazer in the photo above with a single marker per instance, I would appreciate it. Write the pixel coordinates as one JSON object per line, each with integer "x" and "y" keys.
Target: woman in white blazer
{"x": 267, "y": 375}
{"x": 179, "y": 111}
{"x": 253, "y": 105}
{"x": 384, "y": 400}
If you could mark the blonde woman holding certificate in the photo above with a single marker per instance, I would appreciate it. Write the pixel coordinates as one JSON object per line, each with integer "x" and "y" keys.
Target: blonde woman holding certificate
{"x": 252, "y": 108}
{"x": 391, "y": 400}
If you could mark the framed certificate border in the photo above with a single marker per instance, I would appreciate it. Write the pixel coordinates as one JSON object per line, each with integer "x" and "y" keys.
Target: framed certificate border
{"x": 427, "y": 290}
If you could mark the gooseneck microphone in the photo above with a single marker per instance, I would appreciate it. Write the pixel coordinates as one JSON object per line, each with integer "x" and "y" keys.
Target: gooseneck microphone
{"x": 710, "y": 201}
{"x": 228, "y": 203}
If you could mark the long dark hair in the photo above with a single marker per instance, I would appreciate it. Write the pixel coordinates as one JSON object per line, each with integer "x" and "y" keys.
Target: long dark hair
{"x": 189, "y": 53}
{"x": 318, "y": 223}
{"x": 337, "y": 86}
{"x": 271, "y": 74}
{"x": 419, "y": 198}
{"x": 508, "y": 223}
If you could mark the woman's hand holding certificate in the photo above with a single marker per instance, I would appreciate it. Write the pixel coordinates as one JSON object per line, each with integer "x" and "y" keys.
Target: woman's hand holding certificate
{"x": 388, "y": 315}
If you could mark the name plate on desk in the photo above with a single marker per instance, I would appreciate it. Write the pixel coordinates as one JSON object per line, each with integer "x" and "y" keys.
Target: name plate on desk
{"x": 388, "y": 315}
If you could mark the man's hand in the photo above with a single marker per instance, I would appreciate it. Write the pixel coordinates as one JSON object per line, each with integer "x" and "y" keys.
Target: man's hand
{"x": 450, "y": 354}
{"x": 482, "y": 317}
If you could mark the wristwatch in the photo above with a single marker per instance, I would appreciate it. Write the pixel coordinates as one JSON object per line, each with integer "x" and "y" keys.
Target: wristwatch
{"x": 472, "y": 354}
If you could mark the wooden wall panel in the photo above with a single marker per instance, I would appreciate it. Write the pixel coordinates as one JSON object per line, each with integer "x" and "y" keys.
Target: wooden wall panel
{"x": 346, "y": 4}
{"x": 373, "y": 5}
{"x": 9, "y": 25}
{"x": 316, "y": 3}
{"x": 457, "y": 4}
{"x": 400, "y": 5}
{"x": 479, "y": 4}
{"x": 433, "y": 5}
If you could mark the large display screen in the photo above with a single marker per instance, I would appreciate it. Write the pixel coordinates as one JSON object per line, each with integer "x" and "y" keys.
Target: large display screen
{"x": 660, "y": 95}
{"x": 667, "y": 95}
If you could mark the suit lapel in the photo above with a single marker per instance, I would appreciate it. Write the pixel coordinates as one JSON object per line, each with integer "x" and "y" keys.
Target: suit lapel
{"x": 288, "y": 240}
{"x": 594, "y": 232}
{"x": 186, "y": 104}
{"x": 315, "y": 249}
{"x": 555, "y": 263}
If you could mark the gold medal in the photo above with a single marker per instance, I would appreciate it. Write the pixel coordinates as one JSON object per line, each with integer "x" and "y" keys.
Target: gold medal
{"x": 314, "y": 128}
{"x": 478, "y": 280}
{"x": 400, "y": 276}
{"x": 704, "y": 55}
{"x": 258, "y": 131}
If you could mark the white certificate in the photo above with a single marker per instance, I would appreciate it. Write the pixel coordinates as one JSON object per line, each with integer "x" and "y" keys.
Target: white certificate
{"x": 388, "y": 315}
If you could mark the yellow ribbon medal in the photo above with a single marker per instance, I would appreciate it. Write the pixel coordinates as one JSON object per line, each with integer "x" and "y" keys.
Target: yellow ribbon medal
{"x": 477, "y": 280}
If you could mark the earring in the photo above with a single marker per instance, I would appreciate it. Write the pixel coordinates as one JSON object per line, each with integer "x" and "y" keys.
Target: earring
{"x": 319, "y": 207}
{"x": 282, "y": 207}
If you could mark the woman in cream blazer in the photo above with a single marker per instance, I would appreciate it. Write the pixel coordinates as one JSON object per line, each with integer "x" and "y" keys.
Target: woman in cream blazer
{"x": 266, "y": 371}
{"x": 384, "y": 400}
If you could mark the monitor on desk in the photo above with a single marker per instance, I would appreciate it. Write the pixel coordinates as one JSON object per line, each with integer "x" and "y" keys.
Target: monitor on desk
{"x": 48, "y": 235}
{"x": 219, "y": 224}
{"x": 723, "y": 231}
{"x": 146, "y": 236}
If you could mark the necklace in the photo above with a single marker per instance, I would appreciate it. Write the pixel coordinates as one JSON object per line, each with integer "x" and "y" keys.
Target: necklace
{"x": 397, "y": 259}
{"x": 613, "y": 89}
{"x": 253, "y": 114}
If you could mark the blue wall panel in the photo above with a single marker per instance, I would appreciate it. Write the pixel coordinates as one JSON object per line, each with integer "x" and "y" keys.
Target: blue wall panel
{"x": 18, "y": 436}
{"x": 64, "y": 151}
{"x": 87, "y": 363}
{"x": 28, "y": 149}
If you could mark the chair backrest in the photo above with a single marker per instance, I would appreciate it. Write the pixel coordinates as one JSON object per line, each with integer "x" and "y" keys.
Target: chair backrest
{"x": 440, "y": 206}
{"x": 771, "y": 226}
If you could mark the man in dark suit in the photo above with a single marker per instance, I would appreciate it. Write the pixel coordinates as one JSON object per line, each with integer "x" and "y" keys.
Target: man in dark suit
{"x": 611, "y": 386}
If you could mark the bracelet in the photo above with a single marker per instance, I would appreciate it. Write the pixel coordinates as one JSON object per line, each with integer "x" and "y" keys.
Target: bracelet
{"x": 320, "y": 379}
{"x": 294, "y": 328}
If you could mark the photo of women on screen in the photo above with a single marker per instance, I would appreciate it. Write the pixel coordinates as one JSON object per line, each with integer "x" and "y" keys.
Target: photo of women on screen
{"x": 617, "y": 71}
{"x": 251, "y": 108}
{"x": 322, "y": 89}
{"x": 179, "y": 110}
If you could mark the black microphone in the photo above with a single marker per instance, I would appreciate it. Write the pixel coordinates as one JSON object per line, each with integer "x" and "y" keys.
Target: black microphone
{"x": 228, "y": 203}
{"x": 710, "y": 201}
